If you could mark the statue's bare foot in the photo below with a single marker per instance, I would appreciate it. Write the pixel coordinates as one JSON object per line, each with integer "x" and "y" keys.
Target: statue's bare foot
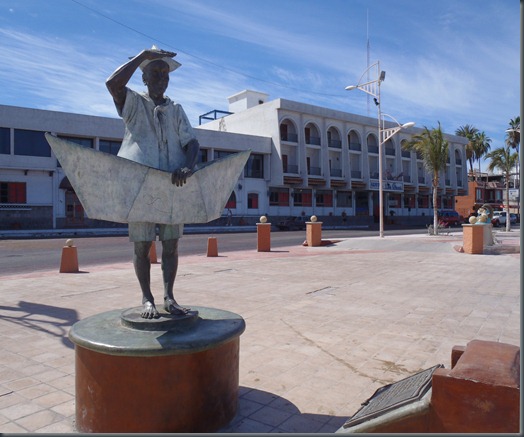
{"x": 172, "y": 307}
{"x": 149, "y": 311}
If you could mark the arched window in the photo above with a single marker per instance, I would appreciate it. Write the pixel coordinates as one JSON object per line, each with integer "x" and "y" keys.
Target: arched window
{"x": 288, "y": 131}
{"x": 252, "y": 201}
{"x": 372, "y": 143}
{"x": 312, "y": 134}
{"x": 333, "y": 136}
{"x": 458, "y": 157}
{"x": 354, "y": 141}
{"x": 232, "y": 202}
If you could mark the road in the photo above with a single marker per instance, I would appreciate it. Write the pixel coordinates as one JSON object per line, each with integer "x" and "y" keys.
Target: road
{"x": 30, "y": 255}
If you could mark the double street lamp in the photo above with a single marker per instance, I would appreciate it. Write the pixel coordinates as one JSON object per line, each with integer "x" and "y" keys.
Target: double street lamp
{"x": 372, "y": 87}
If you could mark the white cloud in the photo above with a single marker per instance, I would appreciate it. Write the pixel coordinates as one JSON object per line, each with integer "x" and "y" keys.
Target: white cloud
{"x": 56, "y": 73}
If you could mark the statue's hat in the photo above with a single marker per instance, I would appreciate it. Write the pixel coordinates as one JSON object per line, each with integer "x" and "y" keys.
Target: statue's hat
{"x": 173, "y": 65}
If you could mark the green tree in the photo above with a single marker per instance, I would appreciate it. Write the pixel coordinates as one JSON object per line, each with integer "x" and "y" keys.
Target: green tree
{"x": 481, "y": 146}
{"x": 513, "y": 141}
{"x": 503, "y": 160}
{"x": 468, "y": 132}
{"x": 513, "y": 134}
{"x": 434, "y": 150}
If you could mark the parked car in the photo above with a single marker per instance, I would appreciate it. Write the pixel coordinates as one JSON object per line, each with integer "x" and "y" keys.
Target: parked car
{"x": 449, "y": 217}
{"x": 292, "y": 223}
{"x": 499, "y": 218}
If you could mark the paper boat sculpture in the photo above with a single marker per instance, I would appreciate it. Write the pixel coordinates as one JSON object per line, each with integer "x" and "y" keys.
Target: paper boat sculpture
{"x": 119, "y": 190}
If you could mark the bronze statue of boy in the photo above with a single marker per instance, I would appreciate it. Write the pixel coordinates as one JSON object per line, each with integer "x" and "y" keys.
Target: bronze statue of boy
{"x": 157, "y": 134}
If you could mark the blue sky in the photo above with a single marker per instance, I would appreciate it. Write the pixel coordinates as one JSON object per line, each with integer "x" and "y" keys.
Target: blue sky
{"x": 453, "y": 61}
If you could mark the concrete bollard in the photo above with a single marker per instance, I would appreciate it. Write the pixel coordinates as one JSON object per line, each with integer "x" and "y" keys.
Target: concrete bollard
{"x": 212, "y": 246}
{"x": 69, "y": 260}
{"x": 473, "y": 238}
{"x": 152, "y": 253}
{"x": 314, "y": 232}
{"x": 263, "y": 235}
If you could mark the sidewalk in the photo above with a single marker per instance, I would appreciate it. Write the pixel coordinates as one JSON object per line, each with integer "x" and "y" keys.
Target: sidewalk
{"x": 325, "y": 326}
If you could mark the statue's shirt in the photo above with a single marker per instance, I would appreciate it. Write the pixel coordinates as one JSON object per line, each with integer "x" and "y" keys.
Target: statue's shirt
{"x": 155, "y": 136}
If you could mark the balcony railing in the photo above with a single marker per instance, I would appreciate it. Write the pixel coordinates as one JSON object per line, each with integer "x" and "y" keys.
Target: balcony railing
{"x": 355, "y": 146}
{"x": 336, "y": 172}
{"x": 314, "y": 171}
{"x": 373, "y": 149}
{"x": 337, "y": 144}
{"x": 356, "y": 174}
{"x": 313, "y": 140}
{"x": 293, "y": 169}
{"x": 291, "y": 138}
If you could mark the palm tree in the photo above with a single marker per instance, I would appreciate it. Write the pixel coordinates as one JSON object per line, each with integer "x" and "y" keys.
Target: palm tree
{"x": 513, "y": 134}
{"x": 468, "y": 132}
{"x": 481, "y": 146}
{"x": 434, "y": 149}
{"x": 503, "y": 160}
{"x": 513, "y": 141}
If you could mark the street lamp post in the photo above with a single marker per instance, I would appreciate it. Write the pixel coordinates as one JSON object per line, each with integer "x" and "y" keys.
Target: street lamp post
{"x": 373, "y": 88}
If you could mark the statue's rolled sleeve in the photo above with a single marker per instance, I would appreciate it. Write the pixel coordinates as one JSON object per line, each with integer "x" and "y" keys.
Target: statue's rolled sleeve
{"x": 129, "y": 108}
{"x": 185, "y": 130}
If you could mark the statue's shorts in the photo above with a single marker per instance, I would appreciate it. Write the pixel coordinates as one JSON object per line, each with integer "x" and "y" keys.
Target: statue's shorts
{"x": 139, "y": 231}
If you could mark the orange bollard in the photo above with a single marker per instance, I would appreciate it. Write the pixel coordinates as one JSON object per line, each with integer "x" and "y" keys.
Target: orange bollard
{"x": 212, "y": 246}
{"x": 152, "y": 254}
{"x": 314, "y": 232}
{"x": 473, "y": 238}
{"x": 69, "y": 260}
{"x": 263, "y": 237}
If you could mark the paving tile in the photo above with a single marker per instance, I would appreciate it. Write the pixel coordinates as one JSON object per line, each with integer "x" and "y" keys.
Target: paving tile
{"x": 13, "y": 428}
{"x": 270, "y": 416}
{"x": 3, "y": 419}
{"x": 248, "y": 426}
{"x": 246, "y": 407}
{"x": 66, "y": 409}
{"x": 21, "y": 383}
{"x": 10, "y": 398}
{"x": 53, "y": 399}
{"x": 65, "y": 426}
{"x": 302, "y": 424}
{"x": 39, "y": 420}
{"x": 20, "y": 410}
{"x": 36, "y": 391}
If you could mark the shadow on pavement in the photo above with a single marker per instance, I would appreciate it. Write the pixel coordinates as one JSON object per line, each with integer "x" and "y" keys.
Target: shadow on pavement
{"x": 49, "y": 319}
{"x": 264, "y": 412}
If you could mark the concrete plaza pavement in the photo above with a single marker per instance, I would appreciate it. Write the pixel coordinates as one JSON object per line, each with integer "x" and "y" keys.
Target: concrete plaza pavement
{"x": 325, "y": 326}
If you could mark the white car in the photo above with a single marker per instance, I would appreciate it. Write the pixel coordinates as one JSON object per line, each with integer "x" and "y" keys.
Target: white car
{"x": 499, "y": 218}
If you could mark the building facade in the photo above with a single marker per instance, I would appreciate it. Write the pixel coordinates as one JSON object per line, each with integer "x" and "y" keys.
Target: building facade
{"x": 305, "y": 160}
{"x": 36, "y": 194}
{"x": 487, "y": 189}
{"x": 325, "y": 162}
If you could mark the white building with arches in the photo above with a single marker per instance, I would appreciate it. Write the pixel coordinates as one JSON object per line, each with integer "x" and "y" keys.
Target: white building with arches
{"x": 326, "y": 162}
{"x": 305, "y": 160}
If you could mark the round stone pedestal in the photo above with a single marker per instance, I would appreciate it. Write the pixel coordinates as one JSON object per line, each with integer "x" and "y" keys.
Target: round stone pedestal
{"x": 172, "y": 374}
